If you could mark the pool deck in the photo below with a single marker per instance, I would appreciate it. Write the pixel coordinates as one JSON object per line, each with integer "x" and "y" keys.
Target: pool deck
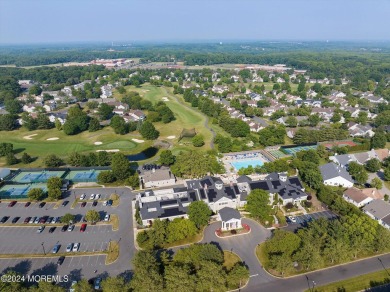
{"x": 228, "y": 158}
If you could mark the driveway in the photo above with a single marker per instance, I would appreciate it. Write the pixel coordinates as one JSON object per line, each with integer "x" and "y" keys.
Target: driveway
{"x": 384, "y": 190}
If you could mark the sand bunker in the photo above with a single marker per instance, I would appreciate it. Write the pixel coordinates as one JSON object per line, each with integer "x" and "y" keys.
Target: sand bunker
{"x": 109, "y": 150}
{"x": 165, "y": 98}
{"x": 98, "y": 143}
{"x": 138, "y": 140}
{"x": 171, "y": 137}
{"x": 52, "y": 139}
{"x": 29, "y": 137}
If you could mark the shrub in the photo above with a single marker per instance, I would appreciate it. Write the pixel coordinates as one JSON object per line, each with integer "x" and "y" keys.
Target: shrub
{"x": 233, "y": 231}
{"x": 289, "y": 205}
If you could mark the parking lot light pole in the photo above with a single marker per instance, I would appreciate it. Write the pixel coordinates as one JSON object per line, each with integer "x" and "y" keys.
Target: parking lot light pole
{"x": 43, "y": 247}
{"x": 383, "y": 266}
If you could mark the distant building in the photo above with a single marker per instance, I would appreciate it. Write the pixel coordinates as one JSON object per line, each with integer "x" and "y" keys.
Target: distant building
{"x": 334, "y": 175}
{"x": 155, "y": 178}
{"x": 356, "y": 197}
{"x": 379, "y": 210}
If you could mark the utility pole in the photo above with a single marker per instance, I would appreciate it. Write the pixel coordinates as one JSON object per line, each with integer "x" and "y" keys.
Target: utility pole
{"x": 43, "y": 247}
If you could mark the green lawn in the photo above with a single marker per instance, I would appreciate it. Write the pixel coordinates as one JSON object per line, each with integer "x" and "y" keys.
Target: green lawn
{"x": 359, "y": 283}
{"x": 230, "y": 259}
{"x": 39, "y": 146}
{"x": 186, "y": 117}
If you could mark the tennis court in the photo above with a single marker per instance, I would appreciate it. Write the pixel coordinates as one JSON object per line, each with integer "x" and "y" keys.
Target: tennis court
{"x": 83, "y": 175}
{"x": 294, "y": 150}
{"x": 36, "y": 177}
{"x": 339, "y": 144}
{"x": 277, "y": 153}
{"x": 19, "y": 191}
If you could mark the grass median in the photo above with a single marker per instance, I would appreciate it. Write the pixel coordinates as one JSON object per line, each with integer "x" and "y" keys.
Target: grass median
{"x": 113, "y": 252}
{"x": 114, "y": 220}
{"x": 230, "y": 259}
{"x": 359, "y": 283}
{"x": 115, "y": 200}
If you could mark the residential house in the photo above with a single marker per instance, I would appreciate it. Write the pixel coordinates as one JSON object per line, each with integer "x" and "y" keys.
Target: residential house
{"x": 378, "y": 210}
{"x": 155, "y": 178}
{"x": 358, "y": 130}
{"x": 335, "y": 175}
{"x": 106, "y": 91}
{"x": 219, "y": 88}
{"x": 282, "y": 120}
{"x": 30, "y": 108}
{"x": 136, "y": 115}
{"x": 61, "y": 117}
{"x": 325, "y": 113}
{"x": 231, "y": 219}
{"x": 356, "y": 197}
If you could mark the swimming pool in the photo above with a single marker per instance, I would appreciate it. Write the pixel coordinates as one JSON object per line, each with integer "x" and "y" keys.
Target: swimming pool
{"x": 245, "y": 163}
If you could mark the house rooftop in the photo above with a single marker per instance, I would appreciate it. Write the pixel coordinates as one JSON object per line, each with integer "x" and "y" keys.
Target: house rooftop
{"x": 227, "y": 214}
{"x": 378, "y": 208}
{"x": 355, "y": 194}
{"x": 156, "y": 175}
{"x": 331, "y": 170}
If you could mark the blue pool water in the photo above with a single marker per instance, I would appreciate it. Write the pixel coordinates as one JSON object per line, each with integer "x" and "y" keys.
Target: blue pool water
{"x": 245, "y": 163}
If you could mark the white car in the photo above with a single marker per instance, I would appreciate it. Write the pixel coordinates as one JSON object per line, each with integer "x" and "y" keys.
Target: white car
{"x": 105, "y": 203}
{"x": 107, "y": 218}
{"x": 54, "y": 220}
{"x": 76, "y": 246}
{"x": 69, "y": 247}
{"x": 32, "y": 220}
{"x": 292, "y": 219}
{"x": 40, "y": 229}
{"x": 36, "y": 221}
{"x": 82, "y": 197}
{"x": 97, "y": 196}
{"x": 92, "y": 197}
{"x": 71, "y": 227}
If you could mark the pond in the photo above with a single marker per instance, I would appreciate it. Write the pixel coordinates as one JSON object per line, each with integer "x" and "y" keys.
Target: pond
{"x": 145, "y": 154}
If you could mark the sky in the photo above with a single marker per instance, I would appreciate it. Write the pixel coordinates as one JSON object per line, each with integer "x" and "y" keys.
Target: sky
{"x": 54, "y": 21}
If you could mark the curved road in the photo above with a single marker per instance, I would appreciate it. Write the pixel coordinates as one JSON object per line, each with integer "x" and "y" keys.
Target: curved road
{"x": 260, "y": 280}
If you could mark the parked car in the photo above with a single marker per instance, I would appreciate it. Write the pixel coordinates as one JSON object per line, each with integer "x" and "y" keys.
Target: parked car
{"x": 53, "y": 220}
{"x": 32, "y": 220}
{"x": 107, "y": 218}
{"x": 92, "y": 197}
{"x": 27, "y": 204}
{"x": 56, "y": 248}
{"x": 27, "y": 220}
{"x": 51, "y": 230}
{"x": 71, "y": 227}
{"x": 109, "y": 203}
{"x": 83, "y": 204}
{"x": 50, "y": 219}
{"x": 82, "y": 197}
{"x": 96, "y": 284}
{"x": 40, "y": 229}
{"x": 41, "y": 205}
{"x": 69, "y": 247}
{"x": 15, "y": 219}
{"x": 60, "y": 260}
{"x": 43, "y": 219}
{"x": 76, "y": 246}
{"x": 64, "y": 228}
{"x": 64, "y": 203}
{"x": 97, "y": 196}
{"x": 292, "y": 219}
{"x": 11, "y": 204}
{"x": 4, "y": 219}
{"x": 105, "y": 203}
{"x": 94, "y": 203}
{"x": 36, "y": 221}
{"x": 83, "y": 227}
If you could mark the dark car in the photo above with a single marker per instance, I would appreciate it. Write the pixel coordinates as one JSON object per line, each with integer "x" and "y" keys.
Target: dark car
{"x": 64, "y": 228}
{"x": 64, "y": 203}
{"x": 56, "y": 248}
{"x": 109, "y": 203}
{"x": 16, "y": 219}
{"x": 83, "y": 204}
{"x": 94, "y": 203}
{"x": 4, "y": 219}
{"x": 27, "y": 204}
{"x": 51, "y": 230}
{"x": 96, "y": 284}
{"x": 43, "y": 219}
{"x": 11, "y": 204}
{"x": 83, "y": 227}
{"x": 60, "y": 260}
{"x": 27, "y": 220}
{"x": 41, "y": 205}
{"x": 49, "y": 220}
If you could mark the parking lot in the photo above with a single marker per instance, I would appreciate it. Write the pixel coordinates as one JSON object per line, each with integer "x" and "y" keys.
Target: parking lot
{"x": 302, "y": 220}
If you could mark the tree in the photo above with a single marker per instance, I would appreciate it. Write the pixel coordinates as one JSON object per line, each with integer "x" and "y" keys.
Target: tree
{"x": 68, "y": 218}
{"x": 6, "y": 148}
{"x": 119, "y": 125}
{"x": 146, "y": 273}
{"x": 309, "y": 156}
{"x": 198, "y": 140}
{"x": 373, "y": 165}
{"x": 335, "y": 118}
{"x": 283, "y": 242}
{"x": 362, "y": 118}
{"x": 26, "y": 159}
{"x": 12, "y": 286}
{"x": 54, "y": 194}
{"x": 166, "y": 157}
{"x": 199, "y": 213}
{"x": 258, "y": 204}
{"x": 133, "y": 180}
{"x": 92, "y": 216}
{"x": 387, "y": 173}
{"x": 54, "y": 182}
{"x": 281, "y": 263}
{"x": 211, "y": 277}
{"x": 291, "y": 121}
{"x": 376, "y": 183}
{"x": 179, "y": 278}
{"x": 36, "y": 194}
{"x": 314, "y": 120}
{"x": 379, "y": 140}
{"x": 358, "y": 172}
{"x": 84, "y": 286}
{"x": 11, "y": 159}
{"x": 120, "y": 166}
{"x": 179, "y": 229}
{"x": 8, "y": 122}
{"x": 53, "y": 160}
{"x": 237, "y": 276}
{"x": 94, "y": 125}
{"x": 35, "y": 90}
{"x": 115, "y": 284}
{"x": 105, "y": 177}
{"x": 13, "y": 106}
{"x": 148, "y": 131}
{"x": 48, "y": 286}
{"x": 105, "y": 111}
